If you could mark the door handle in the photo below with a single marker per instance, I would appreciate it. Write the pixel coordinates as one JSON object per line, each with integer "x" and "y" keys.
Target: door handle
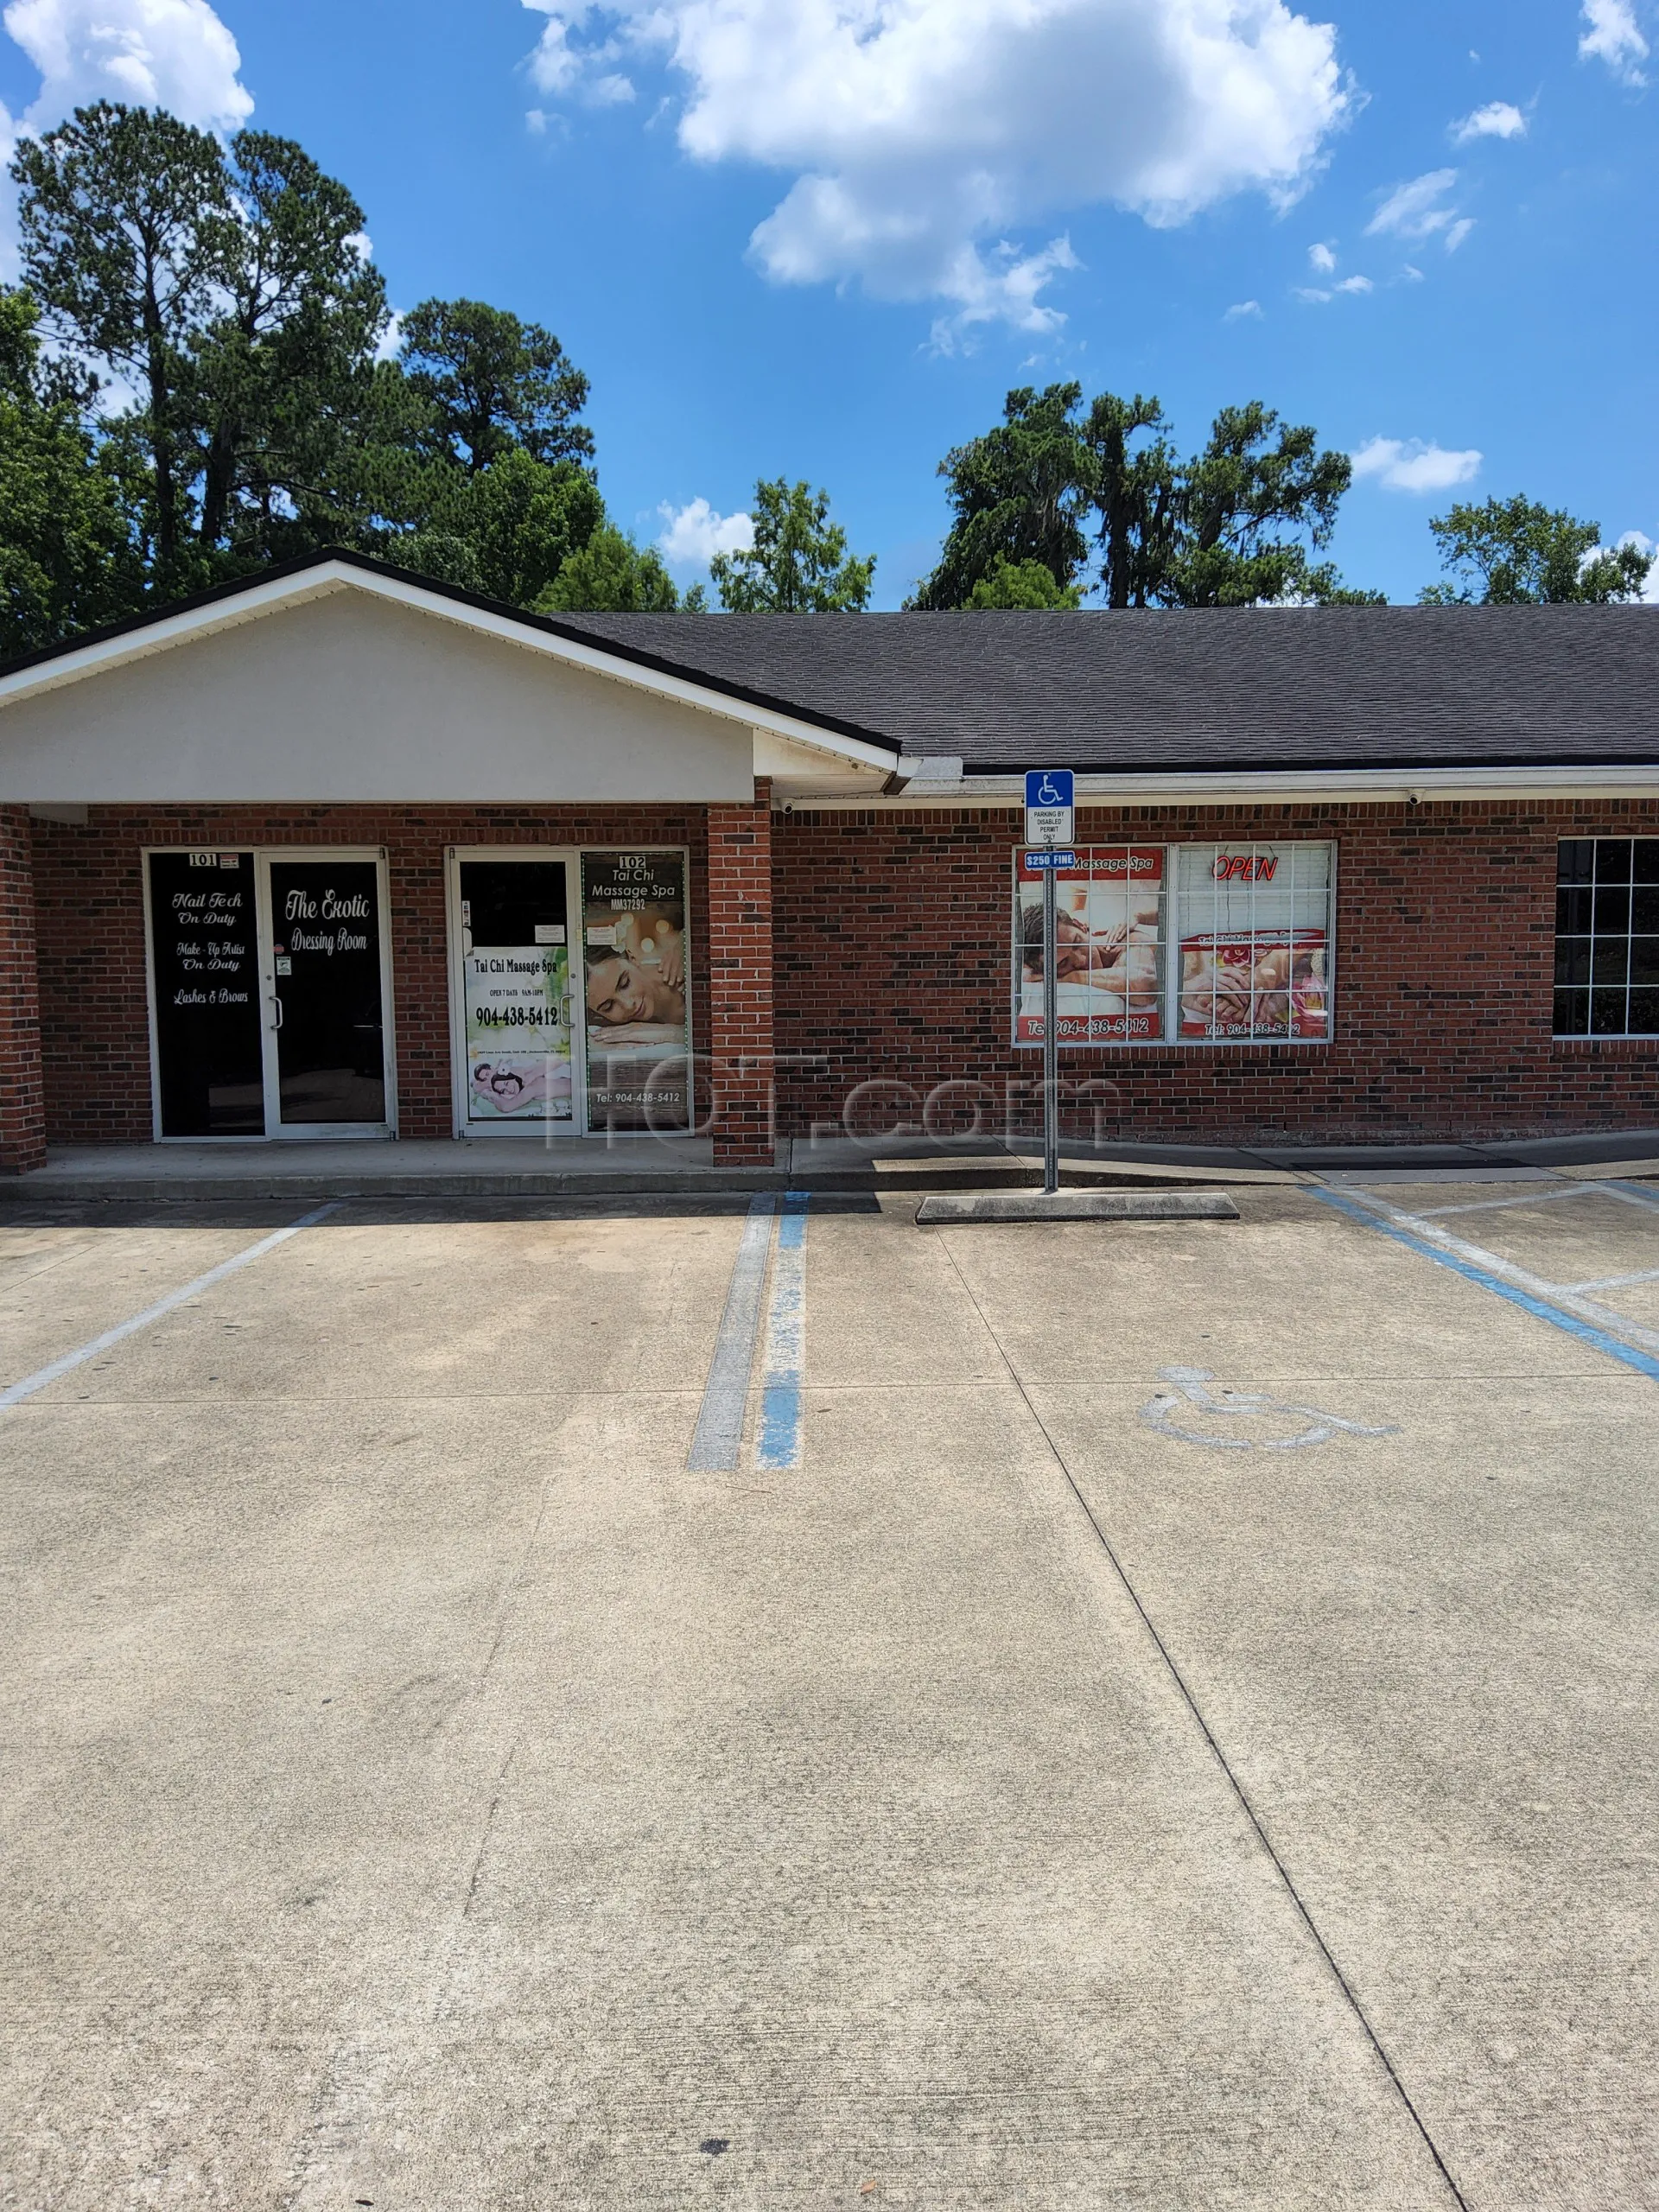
{"x": 278, "y": 1003}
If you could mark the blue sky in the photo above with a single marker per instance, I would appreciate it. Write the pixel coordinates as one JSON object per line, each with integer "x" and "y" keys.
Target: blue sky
{"x": 822, "y": 237}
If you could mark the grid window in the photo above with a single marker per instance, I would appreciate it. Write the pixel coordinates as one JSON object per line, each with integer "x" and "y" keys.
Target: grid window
{"x": 1607, "y": 937}
{"x": 1255, "y": 924}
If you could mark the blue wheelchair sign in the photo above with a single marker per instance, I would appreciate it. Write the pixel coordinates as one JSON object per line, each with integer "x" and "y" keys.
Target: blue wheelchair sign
{"x": 1048, "y": 787}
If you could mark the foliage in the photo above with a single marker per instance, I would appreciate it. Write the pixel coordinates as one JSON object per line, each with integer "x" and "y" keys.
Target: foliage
{"x": 492, "y": 383}
{"x": 611, "y": 575}
{"x": 1018, "y": 494}
{"x": 1233, "y": 525}
{"x": 64, "y": 560}
{"x": 125, "y": 220}
{"x": 799, "y": 564}
{"x": 1255, "y": 481}
{"x": 1023, "y": 584}
{"x": 1518, "y": 553}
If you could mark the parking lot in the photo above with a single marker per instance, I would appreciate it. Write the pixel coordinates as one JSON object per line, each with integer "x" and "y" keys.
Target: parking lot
{"x": 1134, "y": 1714}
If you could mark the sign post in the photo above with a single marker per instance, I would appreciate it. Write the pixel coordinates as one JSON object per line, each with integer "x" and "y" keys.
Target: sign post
{"x": 1049, "y": 818}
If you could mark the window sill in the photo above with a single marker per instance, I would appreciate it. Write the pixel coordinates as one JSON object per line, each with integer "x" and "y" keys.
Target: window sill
{"x": 1596, "y": 1048}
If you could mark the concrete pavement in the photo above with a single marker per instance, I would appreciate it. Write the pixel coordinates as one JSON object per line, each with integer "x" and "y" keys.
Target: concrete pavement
{"x": 419, "y": 1790}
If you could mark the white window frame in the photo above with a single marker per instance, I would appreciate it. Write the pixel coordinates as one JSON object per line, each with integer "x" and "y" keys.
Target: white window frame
{"x": 1172, "y": 1038}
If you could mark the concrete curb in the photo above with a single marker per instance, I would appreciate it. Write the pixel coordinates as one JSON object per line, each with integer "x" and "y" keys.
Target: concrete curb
{"x": 947, "y": 1210}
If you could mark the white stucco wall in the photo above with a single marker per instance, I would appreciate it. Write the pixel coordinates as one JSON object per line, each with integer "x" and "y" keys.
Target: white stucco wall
{"x": 349, "y": 698}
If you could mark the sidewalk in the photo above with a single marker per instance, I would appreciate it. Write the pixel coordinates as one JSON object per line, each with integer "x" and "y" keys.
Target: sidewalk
{"x": 630, "y": 1166}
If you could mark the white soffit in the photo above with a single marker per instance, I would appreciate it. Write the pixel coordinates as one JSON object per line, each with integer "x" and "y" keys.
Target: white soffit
{"x": 807, "y": 740}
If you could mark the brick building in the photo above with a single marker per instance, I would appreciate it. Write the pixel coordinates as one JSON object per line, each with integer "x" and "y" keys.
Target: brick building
{"x": 338, "y": 851}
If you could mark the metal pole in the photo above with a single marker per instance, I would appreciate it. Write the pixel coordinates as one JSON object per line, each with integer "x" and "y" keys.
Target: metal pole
{"x": 1051, "y": 1041}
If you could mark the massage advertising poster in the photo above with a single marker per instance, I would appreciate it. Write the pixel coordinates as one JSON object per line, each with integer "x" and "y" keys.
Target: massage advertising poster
{"x": 637, "y": 990}
{"x": 1109, "y": 944}
{"x": 516, "y": 978}
{"x": 518, "y": 1038}
{"x": 1255, "y": 954}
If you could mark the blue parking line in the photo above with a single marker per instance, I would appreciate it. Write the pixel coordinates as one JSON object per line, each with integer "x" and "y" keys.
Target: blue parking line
{"x": 719, "y": 1433}
{"x": 779, "y": 1447}
{"x": 1586, "y": 1331}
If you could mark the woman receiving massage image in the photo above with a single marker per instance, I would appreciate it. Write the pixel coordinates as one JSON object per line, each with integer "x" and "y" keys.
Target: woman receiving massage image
{"x": 643, "y": 979}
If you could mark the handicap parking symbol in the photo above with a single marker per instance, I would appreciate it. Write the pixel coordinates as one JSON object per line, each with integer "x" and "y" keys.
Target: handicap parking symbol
{"x": 1171, "y": 1411}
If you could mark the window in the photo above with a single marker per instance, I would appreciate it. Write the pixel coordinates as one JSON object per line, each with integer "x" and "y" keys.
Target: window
{"x": 1224, "y": 943}
{"x": 1254, "y": 929}
{"x": 1607, "y": 936}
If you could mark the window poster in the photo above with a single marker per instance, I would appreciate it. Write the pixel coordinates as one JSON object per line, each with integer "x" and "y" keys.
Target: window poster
{"x": 1254, "y": 923}
{"x": 204, "y": 950}
{"x": 637, "y": 984}
{"x": 1108, "y": 946}
{"x": 516, "y": 974}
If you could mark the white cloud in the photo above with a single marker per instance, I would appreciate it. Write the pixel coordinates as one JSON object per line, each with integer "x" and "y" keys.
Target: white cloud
{"x": 1417, "y": 209}
{"x": 171, "y": 54}
{"x": 694, "y": 533}
{"x": 535, "y": 121}
{"x": 1497, "y": 119}
{"x": 1409, "y": 465}
{"x": 1242, "y": 310}
{"x": 1320, "y": 296}
{"x": 1644, "y": 543}
{"x": 1321, "y": 259}
{"x": 1611, "y": 35}
{"x": 923, "y": 137}
{"x": 391, "y": 338}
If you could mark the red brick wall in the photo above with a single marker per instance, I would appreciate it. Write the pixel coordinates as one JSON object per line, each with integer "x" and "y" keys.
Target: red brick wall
{"x": 89, "y": 891}
{"x": 740, "y": 893}
{"x": 892, "y": 961}
{"x": 23, "y": 1114}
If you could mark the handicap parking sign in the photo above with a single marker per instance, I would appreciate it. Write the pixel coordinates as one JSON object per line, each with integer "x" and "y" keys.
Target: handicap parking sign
{"x": 1048, "y": 806}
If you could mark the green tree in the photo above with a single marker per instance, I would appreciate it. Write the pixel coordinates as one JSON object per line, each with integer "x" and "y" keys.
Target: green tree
{"x": 126, "y": 223}
{"x": 66, "y": 561}
{"x": 520, "y": 520}
{"x": 1518, "y": 553}
{"x": 1017, "y": 494}
{"x": 283, "y": 376}
{"x": 492, "y": 383}
{"x": 1244, "y": 505}
{"x": 1134, "y": 491}
{"x": 799, "y": 564}
{"x": 1023, "y": 584}
{"x": 611, "y": 575}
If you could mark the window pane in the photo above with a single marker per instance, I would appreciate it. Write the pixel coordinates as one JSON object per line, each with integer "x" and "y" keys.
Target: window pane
{"x": 1646, "y": 860}
{"x": 1644, "y": 960}
{"x": 1571, "y": 1014}
{"x": 1607, "y": 1014}
{"x": 1571, "y": 960}
{"x": 1611, "y": 960}
{"x": 1644, "y": 912}
{"x": 1576, "y": 860}
{"x": 1644, "y": 1014}
{"x": 1612, "y": 860}
{"x": 1613, "y": 910}
{"x": 1573, "y": 912}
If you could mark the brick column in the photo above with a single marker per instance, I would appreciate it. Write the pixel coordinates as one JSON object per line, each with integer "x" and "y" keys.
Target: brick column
{"x": 22, "y": 1091}
{"x": 740, "y": 980}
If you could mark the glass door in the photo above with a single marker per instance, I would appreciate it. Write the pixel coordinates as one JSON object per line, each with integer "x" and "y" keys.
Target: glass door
{"x": 511, "y": 992}
{"x": 206, "y": 1039}
{"x": 326, "y": 1063}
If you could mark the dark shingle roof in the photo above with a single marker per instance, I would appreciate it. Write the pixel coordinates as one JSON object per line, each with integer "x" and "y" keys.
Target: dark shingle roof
{"x": 1335, "y": 687}
{"x": 1236, "y": 688}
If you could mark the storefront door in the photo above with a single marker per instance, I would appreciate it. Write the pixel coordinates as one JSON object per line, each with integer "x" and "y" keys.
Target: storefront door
{"x": 326, "y": 1072}
{"x": 511, "y": 992}
{"x": 269, "y": 990}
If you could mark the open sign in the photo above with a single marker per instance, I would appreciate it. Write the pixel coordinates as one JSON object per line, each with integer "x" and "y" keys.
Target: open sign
{"x": 1244, "y": 867}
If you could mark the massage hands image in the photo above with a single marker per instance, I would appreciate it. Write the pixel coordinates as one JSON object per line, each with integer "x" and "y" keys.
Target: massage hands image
{"x": 1121, "y": 959}
{"x": 1229, "y": 994}
{"x": 643, "y": 979}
